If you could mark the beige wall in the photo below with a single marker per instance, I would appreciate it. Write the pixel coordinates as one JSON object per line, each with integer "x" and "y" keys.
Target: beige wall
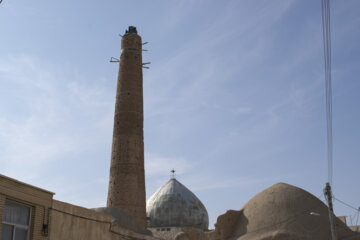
{"x": 73, "y": 222}
{"x": 66, "y": 221}
{"x": 2, "y": 203}
{"x": 40, "y": 200}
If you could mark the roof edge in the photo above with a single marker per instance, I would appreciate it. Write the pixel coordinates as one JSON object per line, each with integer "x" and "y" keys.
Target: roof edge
{"x": 26, "y": 184}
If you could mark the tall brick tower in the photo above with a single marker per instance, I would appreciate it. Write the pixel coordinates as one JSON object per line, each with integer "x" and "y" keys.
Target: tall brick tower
{"x": 127, "y": 176}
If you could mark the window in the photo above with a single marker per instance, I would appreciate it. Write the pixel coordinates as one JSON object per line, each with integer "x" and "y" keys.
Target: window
{"x": 16, "y": 221}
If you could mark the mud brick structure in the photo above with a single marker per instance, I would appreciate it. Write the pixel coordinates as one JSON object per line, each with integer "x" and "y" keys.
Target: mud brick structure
{"x": 127, "y": 177}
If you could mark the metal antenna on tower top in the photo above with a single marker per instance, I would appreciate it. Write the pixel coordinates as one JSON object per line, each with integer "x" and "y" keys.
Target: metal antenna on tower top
{"x": 172, "y": 173}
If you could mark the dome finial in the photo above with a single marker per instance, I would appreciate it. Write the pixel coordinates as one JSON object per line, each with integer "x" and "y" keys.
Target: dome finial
{"x": 172, "y": 173}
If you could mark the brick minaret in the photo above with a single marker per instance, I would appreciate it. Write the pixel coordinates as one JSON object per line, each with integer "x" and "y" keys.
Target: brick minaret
{"x": 127, "y": 177}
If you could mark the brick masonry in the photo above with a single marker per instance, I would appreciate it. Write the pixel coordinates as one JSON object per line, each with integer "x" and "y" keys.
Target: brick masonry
{"x": 38, "y": 199}
{"x": 66, "y": 221}
{"x": 127, "y": 177}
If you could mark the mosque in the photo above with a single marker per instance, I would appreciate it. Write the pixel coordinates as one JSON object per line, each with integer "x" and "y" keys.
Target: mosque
{"x": 173, "y": 207}
{"x": 173, "y": 212}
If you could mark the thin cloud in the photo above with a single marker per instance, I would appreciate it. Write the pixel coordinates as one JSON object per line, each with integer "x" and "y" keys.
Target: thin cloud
{"x": 51, "y": 129}
{"x": 156, "y": 165}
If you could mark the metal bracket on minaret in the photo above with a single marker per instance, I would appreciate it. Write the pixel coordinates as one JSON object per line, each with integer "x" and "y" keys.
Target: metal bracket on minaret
{"x": 143, "y": 65}
{"x": 145, "y": 50}
{"x": 112, "y": 59}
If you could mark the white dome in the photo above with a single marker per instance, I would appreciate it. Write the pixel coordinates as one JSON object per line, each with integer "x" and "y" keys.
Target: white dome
{"x": 173, "y": 205}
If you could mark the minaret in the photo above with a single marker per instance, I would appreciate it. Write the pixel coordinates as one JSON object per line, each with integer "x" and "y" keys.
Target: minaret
{"x": 127, "y": 176}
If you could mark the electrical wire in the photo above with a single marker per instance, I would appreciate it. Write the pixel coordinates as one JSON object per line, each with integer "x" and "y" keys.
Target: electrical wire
{"x": 346, "y": 204}
{"x": 325, "y": 5}
{"x": 352, "y": 207}
{"x": 328, "y": 85}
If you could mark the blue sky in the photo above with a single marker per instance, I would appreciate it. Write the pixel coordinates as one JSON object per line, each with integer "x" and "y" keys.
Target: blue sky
{"x": 234, "y": 97}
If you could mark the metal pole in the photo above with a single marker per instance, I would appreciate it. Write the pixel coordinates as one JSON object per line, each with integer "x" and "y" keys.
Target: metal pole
{"x": 328, "y": 196}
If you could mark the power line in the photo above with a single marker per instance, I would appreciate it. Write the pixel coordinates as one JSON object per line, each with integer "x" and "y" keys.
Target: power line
{"x": 346, "y": 204}
{"x": 325, "y": 6}
{"x": 328, "y": 85}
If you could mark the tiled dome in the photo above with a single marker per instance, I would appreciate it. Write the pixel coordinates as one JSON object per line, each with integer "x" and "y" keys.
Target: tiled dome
{"x": 173, "y": 205}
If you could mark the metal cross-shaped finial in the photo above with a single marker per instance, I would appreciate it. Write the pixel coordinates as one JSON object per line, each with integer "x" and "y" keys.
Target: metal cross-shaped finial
{"x": 172, "y": 173}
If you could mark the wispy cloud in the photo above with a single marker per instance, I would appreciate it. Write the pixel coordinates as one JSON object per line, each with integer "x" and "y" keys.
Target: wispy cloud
{"x": 51, "y": 129}
{"x": 206, "y": 75}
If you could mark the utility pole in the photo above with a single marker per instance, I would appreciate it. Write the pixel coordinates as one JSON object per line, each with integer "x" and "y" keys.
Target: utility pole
{"x": 328, "y": 196}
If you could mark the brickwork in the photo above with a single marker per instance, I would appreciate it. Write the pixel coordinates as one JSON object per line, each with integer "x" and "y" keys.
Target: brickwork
{"x": 38, "y": 199}
{"x": 39, "y": 218}
{"x": 127, "y": 177}
{"x": 18, "y": 190}
{"x": 2, "y": 205}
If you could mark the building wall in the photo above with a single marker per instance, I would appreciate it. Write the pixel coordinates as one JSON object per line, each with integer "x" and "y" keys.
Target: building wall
{"x": 69, "y": 222}
{"x": 355, "y": 228}
{"x": 38, "y": 199}
{"x": 64, "y": 221}
{"x": 174, "y": 233}
{"x": 2, "y": 205}
{"x": 166, "y": 233}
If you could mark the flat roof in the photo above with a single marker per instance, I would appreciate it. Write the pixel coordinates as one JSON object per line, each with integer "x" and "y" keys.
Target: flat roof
{"x": 26, "y": 184}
